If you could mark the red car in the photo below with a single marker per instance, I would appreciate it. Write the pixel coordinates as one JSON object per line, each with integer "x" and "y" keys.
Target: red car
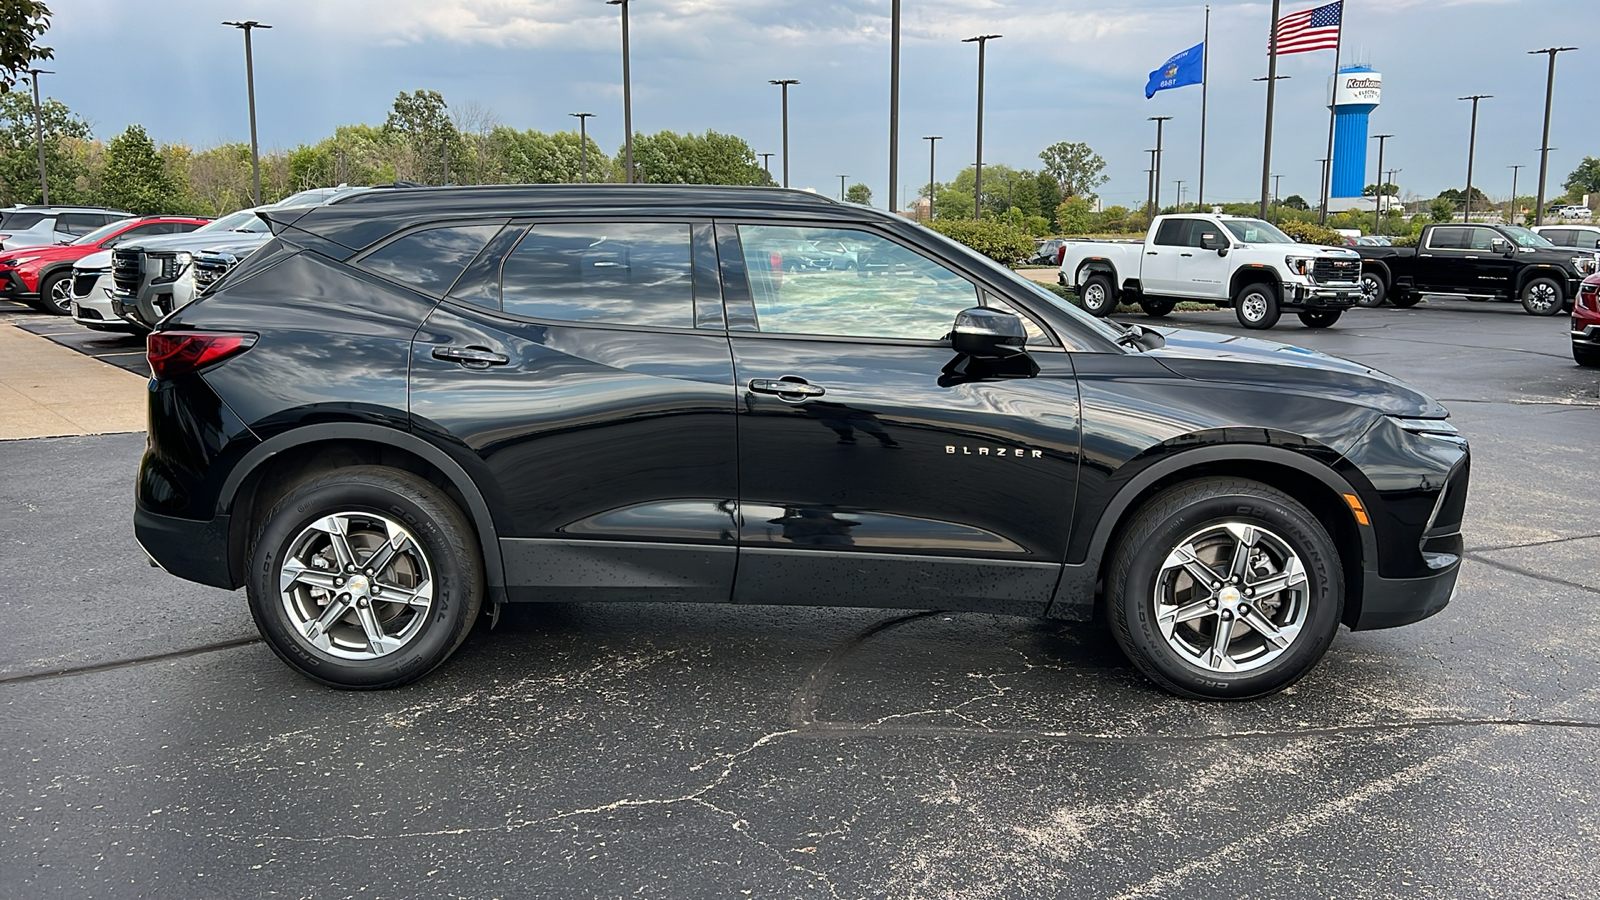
{"x": 1586, "y": 322}
{"x": 42, "y": 276}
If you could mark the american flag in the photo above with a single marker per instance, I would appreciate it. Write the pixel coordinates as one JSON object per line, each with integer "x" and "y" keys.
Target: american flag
{"x": 1312, "y": 29}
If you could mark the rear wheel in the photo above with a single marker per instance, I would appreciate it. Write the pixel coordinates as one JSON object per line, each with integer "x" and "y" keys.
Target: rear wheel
{"x": 365, "y": 578}
{"x": 1320, "y": 318}
{"x": 1225, "y": 589}
{"x": 1256, "y": 306}
{"x": 1373, "y": 290}
{"x": 1099, "y": 296}
{"x": 1405, "y": 299}
{"x": 1542, "y": 297}
{"x": 1157, "y": 307}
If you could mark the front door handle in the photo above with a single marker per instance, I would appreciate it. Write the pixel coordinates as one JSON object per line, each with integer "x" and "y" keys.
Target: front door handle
{"x": 1186, "y": 254}
{"x": 786, "y": 388}
{"x": 471, "y": 357}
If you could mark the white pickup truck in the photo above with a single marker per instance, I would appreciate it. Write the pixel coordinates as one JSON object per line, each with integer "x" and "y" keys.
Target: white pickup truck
{"x": 1228, "y": 260}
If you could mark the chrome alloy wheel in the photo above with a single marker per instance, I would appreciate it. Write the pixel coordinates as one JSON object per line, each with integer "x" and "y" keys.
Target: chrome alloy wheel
{"x": 1231, "y": 597}
{"x": 1094, "y": 296}
{"x": 1255, "y": 307}
{"x": 61, "y": 295}
{"x": 356, "y": 585}
{"x": 1369, "y": 291}
{"x": 1543, "y": 296}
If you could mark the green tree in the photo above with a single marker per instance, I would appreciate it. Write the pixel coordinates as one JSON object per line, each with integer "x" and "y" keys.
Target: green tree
{"x": 1585, "y": 179}
{"x": 1295, "y": 201}
{"x": 669, "y": 158}
{"x": 859, "y": 193}
{"x": 135, "y": 178}
{"x": 1075, "y": 216}
{"x": 1389, "y": 190}
{"x": 1480, "y": 201}
{"x": 1075, "y": 167}
{"x": 421, "y": 127}
{"x": 1002, "y": 243}
{"x": 21, "y": 24}
{"x": 1442, "y": 209}
{"x": 19, "y": 155}
{"x": 1048, "y": 190}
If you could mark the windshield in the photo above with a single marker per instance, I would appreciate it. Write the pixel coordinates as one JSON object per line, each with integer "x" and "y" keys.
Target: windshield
{"x": 101, "y": 233}
{"x": 1255, "y": 231}
{"x": 243, "y": 220}
{"x": 1108, "y": 330}
{"x": 1526, "y": 238}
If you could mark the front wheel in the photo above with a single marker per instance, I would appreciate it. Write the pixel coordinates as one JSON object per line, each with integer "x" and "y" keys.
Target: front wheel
{"x": 1099, "y": 296}
{"x": 1586, "y": 356}
{"x": 1157, "y": 308}
{"x": 1225, "y": 589}
{"x": 1542, "y": 297}
{"x": 55, "y": 294}
{"x": 1320, "y": 318}
{"x": 1373, "y": 290}
{"x": 365, "y": 578}
{"x": 1256, "y": 306}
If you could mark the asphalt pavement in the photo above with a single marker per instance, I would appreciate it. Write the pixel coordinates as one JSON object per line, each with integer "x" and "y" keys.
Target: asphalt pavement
{"x": 151, "y": 746}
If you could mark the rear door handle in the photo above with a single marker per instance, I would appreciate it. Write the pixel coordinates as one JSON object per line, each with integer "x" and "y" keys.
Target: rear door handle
{"x": 471, "y": 357}
{"x": 786, "y": 389}
{"x": 1186, "y": 254}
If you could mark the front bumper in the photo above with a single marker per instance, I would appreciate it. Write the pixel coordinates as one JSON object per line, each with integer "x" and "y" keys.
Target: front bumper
{"x": 1587, "y": 336}
{"x": 197, "y": 551}
{"x": 94, "y": 309}
{"x": 1392, "y": 602}
{"x": 1323, "y": 296}
{"x": 12, "y": 287}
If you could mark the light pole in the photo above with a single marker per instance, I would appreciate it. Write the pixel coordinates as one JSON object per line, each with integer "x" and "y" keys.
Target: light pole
{"x": 784, "y": 83}
{"x": 1377, "y": 215}
{"x": 250, "y": 88}
{"x": 583, "y": 141}
{"x": 1272, "y": 80}
{"x": 1276, "y": 180}
{"x": 1544, "y": 145}
{"x": 931, "y": 139}
{"x": 38, "y": 135}
{"x": 627, "y": 96}
{"x": 1472, "y": 146}
{"x": 1159, "y": 120}
{"x": 841, "y": 185}
{"x": 1150, "y": 188}
{"x": 977, "y": 200}
{"x": 894, "y": 101}
{"x": 1180, "y": 194}
{"x": 1511, "y": 208}
{"x": 766, "y": 163}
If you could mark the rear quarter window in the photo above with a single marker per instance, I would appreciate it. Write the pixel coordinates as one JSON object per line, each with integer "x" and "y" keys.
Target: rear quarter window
{"x": 429, "y": 260}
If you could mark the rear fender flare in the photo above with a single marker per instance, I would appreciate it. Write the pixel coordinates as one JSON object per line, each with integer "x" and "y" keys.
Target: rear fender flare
{"x": 1092, "y": 267}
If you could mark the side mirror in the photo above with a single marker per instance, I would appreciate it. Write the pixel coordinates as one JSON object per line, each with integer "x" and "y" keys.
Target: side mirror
{"x": 1210, "y": 240}
{"x": 1501, "y": 245}
{"x": 988, "y": 333}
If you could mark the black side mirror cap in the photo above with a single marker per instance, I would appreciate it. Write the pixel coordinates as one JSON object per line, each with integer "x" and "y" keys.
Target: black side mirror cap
{"x": 1210, "y": 240}
{"x": 988, "y": 333}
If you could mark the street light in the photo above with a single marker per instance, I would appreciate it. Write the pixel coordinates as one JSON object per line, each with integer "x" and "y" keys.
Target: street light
{"x": 1377, "y": 216}
{"x": 784, "y": 83}
{"x": 977, "y": 201}
{"x": 1277, "y": 180}
{"x": 627, "y": 96}
{"x": 766, "y": 163}
{"x": 1272, "y": 78}
{"x": 38, "y": 135}
{"x": 1180, "y": 194}
{"x": 1472, "y": 146}
{"x": 1544, "y": 145}
{"x": 1156, "y": 199}
{"x": 583, "y": 141}
{"x": 931, "y": 138}
{"x": 1511, "y": 208}
{"x": 894, "y": 101}
{"x": 250, "y": 87}
{"x": 1150, "y": 188}
{"x": 841, "y": 186}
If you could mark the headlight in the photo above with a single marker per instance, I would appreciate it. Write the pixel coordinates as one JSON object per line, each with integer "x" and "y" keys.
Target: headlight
{"x": 1300, "y": 265}
{"x": 19, "y": 261}
{"x": 1439, "y": 429}
{"x": 1585, "y": 265}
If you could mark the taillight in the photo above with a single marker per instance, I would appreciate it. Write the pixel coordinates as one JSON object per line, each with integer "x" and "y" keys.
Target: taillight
{"x": 174, "y": 353}
{"x": 1061, "y": 253}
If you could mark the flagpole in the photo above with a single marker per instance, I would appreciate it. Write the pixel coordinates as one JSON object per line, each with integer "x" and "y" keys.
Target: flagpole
{"x": 1272, "y": 87}
{"x": 1327, "y": 178}
{"x": 1205, "y": 78}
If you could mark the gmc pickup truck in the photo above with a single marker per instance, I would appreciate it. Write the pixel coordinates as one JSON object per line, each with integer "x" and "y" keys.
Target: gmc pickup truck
{"x": 1504, "y": 262}
{"x": 1228, "y": 260}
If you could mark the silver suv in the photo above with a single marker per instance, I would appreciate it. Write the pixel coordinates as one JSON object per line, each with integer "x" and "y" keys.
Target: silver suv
{"x": 37, "y": 226}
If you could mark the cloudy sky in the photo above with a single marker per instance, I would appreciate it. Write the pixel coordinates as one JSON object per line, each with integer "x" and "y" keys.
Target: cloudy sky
{"x": 1064, "y": 70}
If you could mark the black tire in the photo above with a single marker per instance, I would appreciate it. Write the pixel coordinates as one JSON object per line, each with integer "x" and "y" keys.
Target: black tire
{"x": 1586, "y": 356}
{"x": 1256, "y": 306}
{"x": 362, "y": 497}
{"x": 1157, "y": 307}
{"x": 1404, "y": 299}
{"x": 1542, "y": 297}
{"x": 1099, "y": 295}
{"x": 1320, "y": 318}
{"x": 55, "y": 294}
{"x": 1177, "y": 653}
{"x": 1374, "y": 290}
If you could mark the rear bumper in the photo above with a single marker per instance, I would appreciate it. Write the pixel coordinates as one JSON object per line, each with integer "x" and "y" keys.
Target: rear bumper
{"x": 189, "y": 549}
{"x": 1392, "y": 602}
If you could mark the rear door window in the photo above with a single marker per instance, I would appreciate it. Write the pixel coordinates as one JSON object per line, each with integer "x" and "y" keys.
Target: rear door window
{"x": 1448, "y": 239}
{"x": 20, "y": 221}
{"x": 1174, "y": 233}
{"x": 611, "y": 273}
{"x": 79, "y": 223}
{"x": 432, "y": 259}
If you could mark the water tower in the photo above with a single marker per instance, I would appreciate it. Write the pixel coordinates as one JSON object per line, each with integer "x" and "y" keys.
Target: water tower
{"x": 1355, "y": 95}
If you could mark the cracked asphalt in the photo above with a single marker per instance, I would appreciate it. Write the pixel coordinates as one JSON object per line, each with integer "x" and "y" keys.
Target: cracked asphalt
{"x": 150, "y": 746}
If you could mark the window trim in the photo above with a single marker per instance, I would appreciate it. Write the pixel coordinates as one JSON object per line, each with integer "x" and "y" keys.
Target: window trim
{"x": 741, "y": 299}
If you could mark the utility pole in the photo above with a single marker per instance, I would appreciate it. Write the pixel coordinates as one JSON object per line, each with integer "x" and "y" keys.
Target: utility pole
{"x": 1272, "y": 85}
{"x": 1150, "y": 188}
{"x": 1377, "y": 215}
{"x": 627, "y": 96}
{"x": 1472, "y": 146}
{"x": 931, "y": 138}
{"x": 784, "y": 83}
{"x": 1276, "y": 180}
{"x": 894, "y": 101}
{"x": 1544, "y": 145}
{"x": 766, "y": 163}
{"x": 38, "y": 135}
{"x": 977, "y": 200}
{"x": 841, "y": 186}
{"x": 583, "y": 141}
{"x": 1324, "y": 163}
{"x": 1511, "y": 209}
{"x": 1159, "y": 120}
{"x": 250, "y": 88}
{"x": 1180, "y": 194}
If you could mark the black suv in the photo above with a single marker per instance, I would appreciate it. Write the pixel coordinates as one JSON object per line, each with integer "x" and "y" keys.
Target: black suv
{"x": 411, "y": 404}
